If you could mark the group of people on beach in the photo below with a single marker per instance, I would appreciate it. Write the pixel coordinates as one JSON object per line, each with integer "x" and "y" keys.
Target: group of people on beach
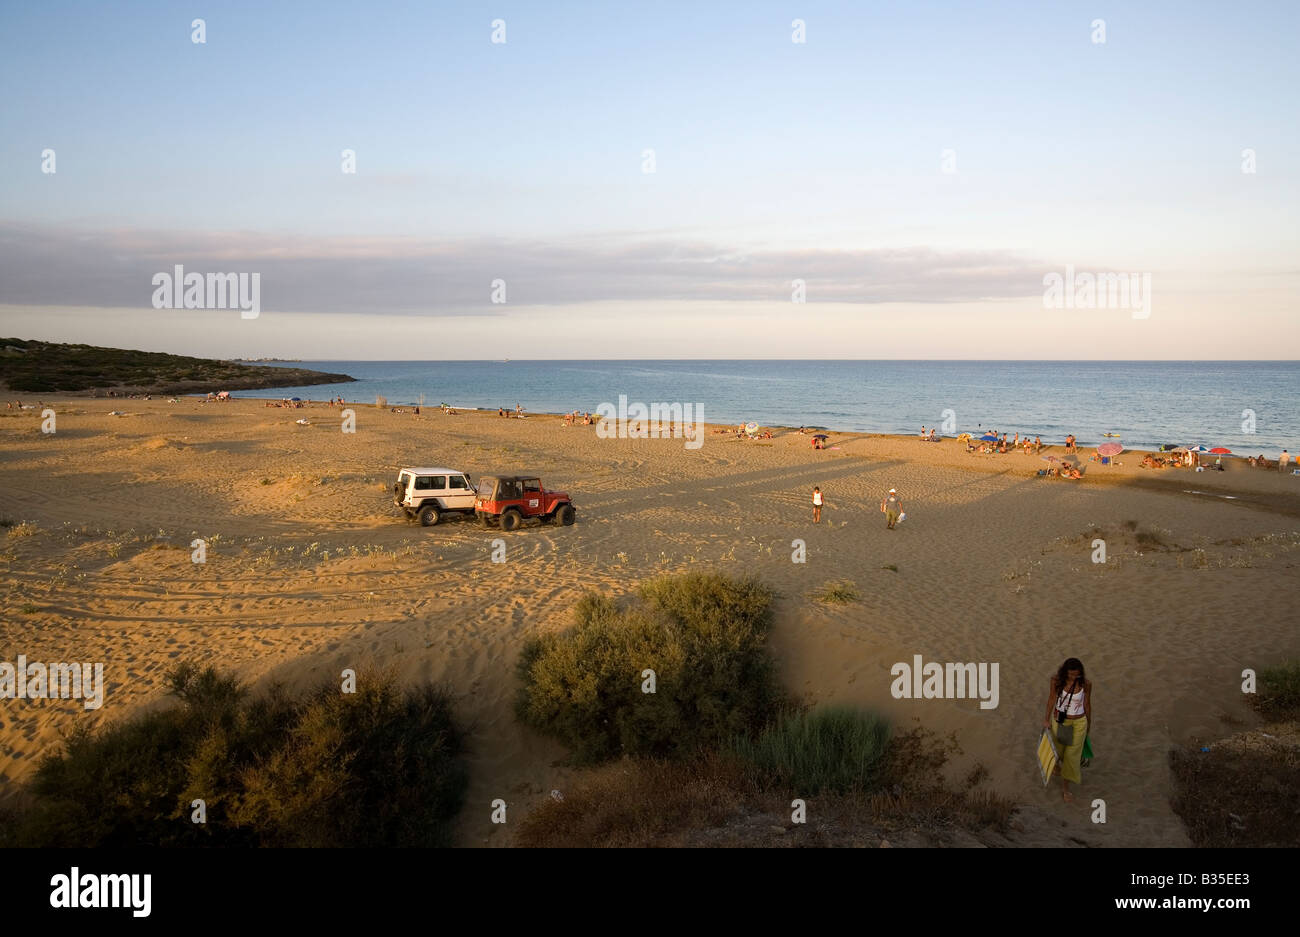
{"x": 1283, "y": 461}
{"x": 1002, "y": 446}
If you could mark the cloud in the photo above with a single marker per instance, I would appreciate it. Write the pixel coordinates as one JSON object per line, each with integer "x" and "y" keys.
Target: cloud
{"x": 48, "y": 266}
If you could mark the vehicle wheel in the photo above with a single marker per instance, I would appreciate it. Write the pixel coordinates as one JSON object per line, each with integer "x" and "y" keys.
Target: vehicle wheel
{"x": 511, "y": 520}
{"x": 428, "y": 516}
{"x": 397, "y": 491}
{"x": 567, "y": 515}
{"x": 546, "y": 518}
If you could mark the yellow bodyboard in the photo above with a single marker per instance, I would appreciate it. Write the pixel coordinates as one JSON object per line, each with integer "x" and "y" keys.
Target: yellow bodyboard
{"x": 1048, "y": 756}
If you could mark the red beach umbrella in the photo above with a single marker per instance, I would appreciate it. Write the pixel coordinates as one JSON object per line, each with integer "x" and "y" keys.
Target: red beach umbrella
{"x": 1220, "y": 450}
{"x": 1110, "y": 448}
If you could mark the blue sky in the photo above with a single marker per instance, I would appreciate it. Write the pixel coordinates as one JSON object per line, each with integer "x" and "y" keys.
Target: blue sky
{"x": 527, "y": 156}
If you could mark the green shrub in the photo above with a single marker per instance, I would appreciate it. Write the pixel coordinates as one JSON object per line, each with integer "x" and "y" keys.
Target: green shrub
{"x": 379, "y": 767}
{"x": 704, "y": 636}
{"x": 1278, "y": 693}
{"x": 834, "y": 749}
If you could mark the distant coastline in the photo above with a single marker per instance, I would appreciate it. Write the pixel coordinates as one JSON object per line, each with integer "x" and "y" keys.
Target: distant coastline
{"x": 29, "y": 367}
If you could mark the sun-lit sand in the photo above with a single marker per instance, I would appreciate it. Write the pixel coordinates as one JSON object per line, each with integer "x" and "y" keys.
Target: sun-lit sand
{"x": 310, "y": 570}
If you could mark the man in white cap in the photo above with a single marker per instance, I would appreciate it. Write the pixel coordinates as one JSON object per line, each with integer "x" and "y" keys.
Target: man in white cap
{"x": 892, "y": 507}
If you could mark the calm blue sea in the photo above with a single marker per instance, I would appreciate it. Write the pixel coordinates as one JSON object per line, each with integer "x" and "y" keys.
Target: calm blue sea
{"x": 1147, "y": 403}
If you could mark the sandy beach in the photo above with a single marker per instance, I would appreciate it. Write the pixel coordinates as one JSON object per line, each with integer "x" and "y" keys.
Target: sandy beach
{"x": 310, "y": 569}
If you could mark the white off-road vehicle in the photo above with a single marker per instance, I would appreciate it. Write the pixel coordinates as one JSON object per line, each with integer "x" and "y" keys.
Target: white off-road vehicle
{"x": 430, "y": 493}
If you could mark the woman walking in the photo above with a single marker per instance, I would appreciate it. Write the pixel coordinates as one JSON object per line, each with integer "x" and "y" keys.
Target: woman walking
{"x": 1069, "y": 717}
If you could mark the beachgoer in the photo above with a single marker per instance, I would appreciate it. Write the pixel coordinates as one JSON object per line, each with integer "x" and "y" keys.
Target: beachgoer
{"x": 1282, "y": 460}
{"x": 892, "y": 508}
{"x": 1069, "y": 718}
{"x": 817, "y": 505}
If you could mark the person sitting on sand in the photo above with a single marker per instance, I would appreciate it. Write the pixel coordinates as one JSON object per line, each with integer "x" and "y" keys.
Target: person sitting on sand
{"x": 1069, "y": 719}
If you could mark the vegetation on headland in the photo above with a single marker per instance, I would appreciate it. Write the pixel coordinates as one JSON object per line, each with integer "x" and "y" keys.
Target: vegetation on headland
{"x": 716, "y": 753}
{"x": 48, "y": 367}
{"x": 378, "y": 767}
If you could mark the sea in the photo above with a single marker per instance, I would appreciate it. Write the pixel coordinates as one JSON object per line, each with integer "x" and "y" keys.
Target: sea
{"x": 1250, "y": 407}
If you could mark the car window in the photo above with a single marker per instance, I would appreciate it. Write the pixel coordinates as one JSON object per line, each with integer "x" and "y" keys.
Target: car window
{"x": 439, "y": 482}
{"x": 508, "y": 490}
{"x": 423, "y": 483}
{"x": 533, "y": 484}
{"x": 459, "y": 481}
{"x": 404, "y": 480}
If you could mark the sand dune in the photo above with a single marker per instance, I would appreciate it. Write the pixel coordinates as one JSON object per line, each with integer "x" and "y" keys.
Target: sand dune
{"x": 310, "y": 569}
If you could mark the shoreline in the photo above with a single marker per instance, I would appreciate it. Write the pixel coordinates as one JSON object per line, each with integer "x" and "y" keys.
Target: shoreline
{"x": 773, "y": 427}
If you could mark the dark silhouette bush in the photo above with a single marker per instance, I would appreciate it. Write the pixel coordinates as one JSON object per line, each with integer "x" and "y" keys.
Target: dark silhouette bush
{"x": 378, "y": 767}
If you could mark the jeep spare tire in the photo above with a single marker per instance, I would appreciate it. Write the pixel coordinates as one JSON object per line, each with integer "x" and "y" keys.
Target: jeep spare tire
{"x": 428, "y": 516}
{"x": 510, "y": 519}
{"x": 397, "y": 491}
{"x": 567, "y": 515}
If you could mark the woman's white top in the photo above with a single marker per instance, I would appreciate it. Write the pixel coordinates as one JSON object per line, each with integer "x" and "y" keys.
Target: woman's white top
{"x": 1072, "y": 703}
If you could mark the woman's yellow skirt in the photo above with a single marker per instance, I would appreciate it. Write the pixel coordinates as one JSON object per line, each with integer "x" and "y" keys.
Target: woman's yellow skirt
{"x": 1070, "y": 754}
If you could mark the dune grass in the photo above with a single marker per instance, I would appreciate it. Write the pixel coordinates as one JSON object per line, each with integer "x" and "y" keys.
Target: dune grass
{"x": 833, "y": 749}
{"x": 841, "y": 592}
{"x": 1278, "y": 691}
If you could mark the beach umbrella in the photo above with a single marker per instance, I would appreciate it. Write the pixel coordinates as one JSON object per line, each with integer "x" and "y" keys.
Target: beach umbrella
{"x": 1178, "y": 450}
{"x": 821, "y": 436}
{"x": 1050, "y": 458}
{"x": 989, "y": 437}
{"x": 1172, "y": 447}
{"x": 1197, "y": 449}
{"x": 1220, "y": 450}
{"x": 1109, "y": 449}
{"x": 751, "y": 428}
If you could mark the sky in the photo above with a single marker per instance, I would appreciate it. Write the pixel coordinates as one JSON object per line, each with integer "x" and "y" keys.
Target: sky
{"x": 901, "y": 183}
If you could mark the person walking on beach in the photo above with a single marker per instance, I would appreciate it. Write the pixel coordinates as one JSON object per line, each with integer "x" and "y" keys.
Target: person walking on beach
{"x": 892, "y": 507}
{"x": 817, "y": 505}
{"x": 1069, "y": 718}
{"x": 1282, "y": 460}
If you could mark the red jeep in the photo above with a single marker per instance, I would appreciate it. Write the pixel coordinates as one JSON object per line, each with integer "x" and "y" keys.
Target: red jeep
{"x": 512, "y": 498}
